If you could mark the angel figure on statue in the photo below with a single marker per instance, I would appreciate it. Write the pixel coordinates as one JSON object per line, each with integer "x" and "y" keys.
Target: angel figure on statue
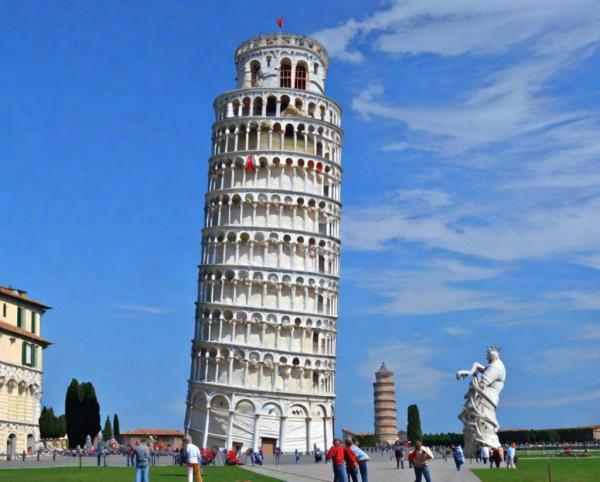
{"x": 479, "y": 412}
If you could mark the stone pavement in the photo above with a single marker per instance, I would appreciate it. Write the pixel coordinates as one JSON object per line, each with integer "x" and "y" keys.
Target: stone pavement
{"x": 379, "y": 471}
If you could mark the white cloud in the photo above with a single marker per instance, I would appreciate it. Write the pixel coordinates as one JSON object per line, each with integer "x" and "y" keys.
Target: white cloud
{"x": 587, "y": 332}
{"x": 579, "y": 300}
{"x": 411, "y": 363}
{"x": 455, "y": 330}
{"x": 440, "y": 286}
{"x": 563, "y": 359}
{"x": 141, "y": 309}
{"x": 556, "y": 402}
{"x": 464, "y": 27}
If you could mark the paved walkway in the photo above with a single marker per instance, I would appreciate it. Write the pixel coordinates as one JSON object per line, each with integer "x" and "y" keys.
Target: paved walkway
{"x": 379, "y": 471}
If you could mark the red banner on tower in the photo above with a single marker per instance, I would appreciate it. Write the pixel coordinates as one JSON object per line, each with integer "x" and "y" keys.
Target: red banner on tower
{"x": 249, "y": 163}
{"x": 280, "y": 22}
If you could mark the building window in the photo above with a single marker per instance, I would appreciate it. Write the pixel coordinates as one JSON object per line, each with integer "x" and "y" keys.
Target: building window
{"x": 20, "y": 317}
{"x": 4, "y": 310}
{"x": 300, "y": 82}
{"x": 316, "y": 68}
{"x": 255, "y": 72}
{"x": 29, "y": 355}
{"x": 285, "y": 74}
{"x": 33, "y": 322}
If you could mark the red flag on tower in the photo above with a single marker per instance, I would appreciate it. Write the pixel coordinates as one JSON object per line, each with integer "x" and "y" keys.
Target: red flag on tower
{"x": 280, "y": 22}
{"x": 249, "y": 163}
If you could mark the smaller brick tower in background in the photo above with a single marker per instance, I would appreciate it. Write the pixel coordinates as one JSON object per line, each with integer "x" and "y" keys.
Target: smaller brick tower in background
{"x": 386, "y": 424}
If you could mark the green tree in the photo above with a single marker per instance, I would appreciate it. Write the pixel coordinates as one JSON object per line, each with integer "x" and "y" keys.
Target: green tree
{"x": 117, "y": 428}
{"x": 90, "y": 409}
{"x": 82, "y": 412}
{"x": 61, "y": 426}
{"x": 73, "y": 415}
{"x": 107, "y": 431}
{"x": 413, "y": 428}
{"x": 47, "y": 423}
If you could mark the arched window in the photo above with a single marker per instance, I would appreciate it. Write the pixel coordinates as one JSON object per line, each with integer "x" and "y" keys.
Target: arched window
{"x": 254, "y": 72}
{"x": 300, "y": 81}
{"x": 285, "y": 74}
{"x": 316, "y": 68}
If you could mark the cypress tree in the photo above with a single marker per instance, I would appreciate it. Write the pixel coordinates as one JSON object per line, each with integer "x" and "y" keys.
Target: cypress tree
{"x": 116, "y": 428}
{"x": 413, "y": 428}
{"x": 107, "y": 431}
{"x": 61, "y": 426}
{"x": 73, "y": 415}
{"x": 90, "y": 410}
{"x": 47, "y": 423}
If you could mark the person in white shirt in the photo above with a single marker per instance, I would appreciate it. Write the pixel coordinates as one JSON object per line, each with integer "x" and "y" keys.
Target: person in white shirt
{"x": 485, "y": 454}
{"x": 193, "y": 458}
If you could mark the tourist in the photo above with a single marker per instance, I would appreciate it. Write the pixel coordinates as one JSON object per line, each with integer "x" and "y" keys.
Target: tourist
{"x": 318, "y": 455}
{"x": 231, "y": 458}
{"x": 510, "y": 456}
{"x": 337, "y": 456}
{"x": 142, "y": 462}
{"x": 297, "y": 456}
{"x": 484, "y": 454}
{"x": 193, "y": 459}
{"x": 422, "y": 456}
{"x": 498, "y": 456}
{"x": 459, "y": 457}
{"x": 277, "y": 455}
{"x": 399, "y": 453}
{"x": 351, "y": 463}
{"x": 362, "y": 458}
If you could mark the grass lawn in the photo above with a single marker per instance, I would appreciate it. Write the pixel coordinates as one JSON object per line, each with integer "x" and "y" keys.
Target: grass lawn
{"x": 120, "y": 474}
{"x": 567, "y": 470}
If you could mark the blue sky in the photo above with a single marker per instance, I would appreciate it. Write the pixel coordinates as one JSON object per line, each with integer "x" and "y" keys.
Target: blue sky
{"x": 471, "y": 194}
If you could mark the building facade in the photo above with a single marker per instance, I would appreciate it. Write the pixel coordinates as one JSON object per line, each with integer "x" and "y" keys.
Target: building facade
{"x": 386, "y": 423}
{"x": 263, "y": 354}
{"x": 164, "y": 439}
{"x": 21, "y": 353}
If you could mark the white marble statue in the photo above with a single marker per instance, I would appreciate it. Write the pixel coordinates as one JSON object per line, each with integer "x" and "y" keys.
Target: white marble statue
{"x": 479, "y": 411}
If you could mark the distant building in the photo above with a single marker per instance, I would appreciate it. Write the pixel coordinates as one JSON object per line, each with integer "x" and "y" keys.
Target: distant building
{"x": 21, "y": 348}
{"x": 402, "y": 435}
{"x": 386, "y": 423}
{"x": 163, "y": 438}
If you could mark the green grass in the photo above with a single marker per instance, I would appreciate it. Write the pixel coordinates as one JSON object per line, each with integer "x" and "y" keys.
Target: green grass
{"x": 568, "y": 470}
{"x": 120, "y": 474}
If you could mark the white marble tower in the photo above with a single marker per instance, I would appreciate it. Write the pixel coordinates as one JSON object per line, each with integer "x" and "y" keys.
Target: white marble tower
{"x": 263, "y": 354}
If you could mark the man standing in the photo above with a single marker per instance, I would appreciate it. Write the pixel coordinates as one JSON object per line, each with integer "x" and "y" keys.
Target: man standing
{"x": 193, "y": 458}
{"x": 277, "y": 455}
{"x": 337, "y": 456}
{"x": 142, "y": 462}
{"x": 485, "y": 454}
{"x": 362, "y": 458}
{"x": 422, "y": 455}
{"x": 399, "y": 453}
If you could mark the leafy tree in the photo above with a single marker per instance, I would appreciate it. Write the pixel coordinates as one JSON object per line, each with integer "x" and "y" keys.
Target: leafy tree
{"x": 73, "y": 415}
{"x": 90, "y": 409}
{"x": 82, "y": 412}
{"x": 117, "y": 428}
{"x": 61, "y": 426}
{"x": 107, "y": 431}
{"x": 47, "y": 423}
{"x": 413, "y": 429}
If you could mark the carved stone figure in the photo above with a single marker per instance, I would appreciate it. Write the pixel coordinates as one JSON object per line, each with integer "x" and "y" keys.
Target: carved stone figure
{"x": 479, "y": 412}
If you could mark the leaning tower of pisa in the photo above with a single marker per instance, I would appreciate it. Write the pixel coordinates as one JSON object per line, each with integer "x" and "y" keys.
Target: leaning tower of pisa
{"x": 386, "y": 424}
{"x": 263, "y": 353}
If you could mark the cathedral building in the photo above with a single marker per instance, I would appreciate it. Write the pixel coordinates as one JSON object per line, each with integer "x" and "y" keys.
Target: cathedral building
{"x": 21, "y": 353}
{"x": 264, "y": 349}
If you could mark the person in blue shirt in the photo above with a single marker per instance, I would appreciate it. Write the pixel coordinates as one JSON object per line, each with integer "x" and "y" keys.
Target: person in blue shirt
{"x": 362, "y": 457}
{"x": 459, "y": 458}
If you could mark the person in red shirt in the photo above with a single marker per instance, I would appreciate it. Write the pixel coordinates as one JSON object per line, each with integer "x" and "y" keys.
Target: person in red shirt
{"x": 337, "y": 455}
{"x": 351, "y": 461}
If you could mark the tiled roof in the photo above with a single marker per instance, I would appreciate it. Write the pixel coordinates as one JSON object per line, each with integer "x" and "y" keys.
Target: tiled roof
{"x": 15, "y": 330}
{"x": 155, "y": 431}
{"x": 21, "y": 295}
